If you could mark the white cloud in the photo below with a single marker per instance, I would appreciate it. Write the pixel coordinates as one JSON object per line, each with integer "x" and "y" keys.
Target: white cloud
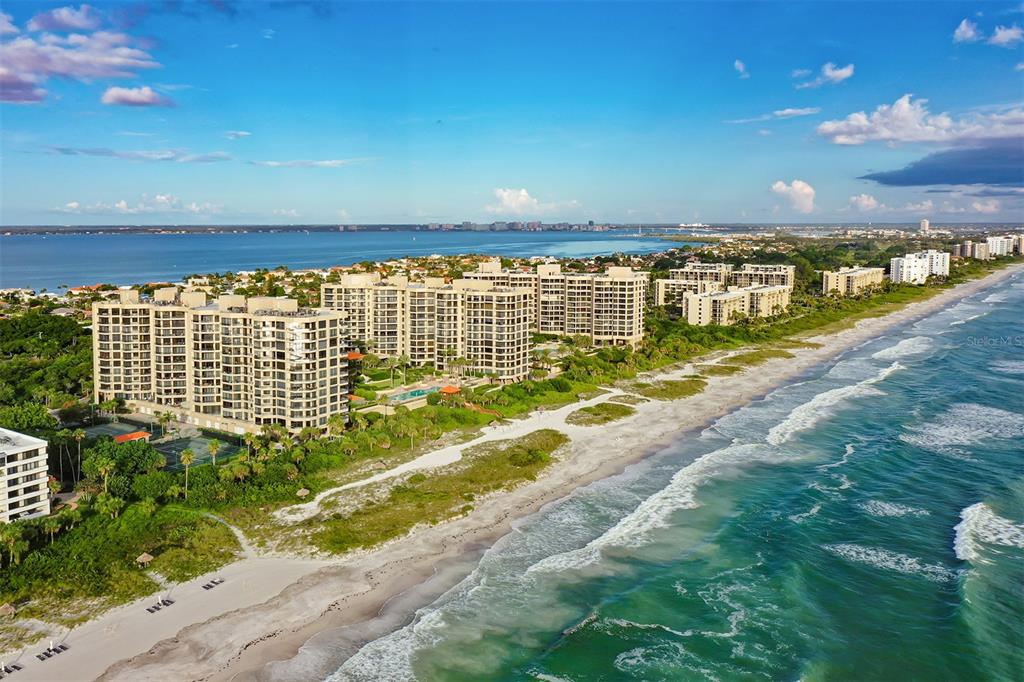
{"x": 66, "y": 19}
{"x": 158, "y": 204}
{"x": 286, "y": 212}
{"x": 1019, "y": 66}
{"x": 764, "y": 132}
{"x": 7, "y": 26}
{"x": 791, "y": 112}
{"x": 1007, "y": 36}
{"x": 908, "y": 120}
{"x": 988, "y": 206}
{"x": 926, "y": 206}
{"x": 865, "y": 203}
{"x": 741, "y": 69}
{"x": 269, "y": 33}
{"x": 176, "y": 155}
{"x": 800, "y": 73}
{"x": 516, "y": 202}
{"x": 306, "y": 163}
{"x": 799, "y": 193}
{"x": 830, "y": 75}
{"x": 966, "y": 32}
{"x": 237, "y": 134}
{"x": 135, "y": 97}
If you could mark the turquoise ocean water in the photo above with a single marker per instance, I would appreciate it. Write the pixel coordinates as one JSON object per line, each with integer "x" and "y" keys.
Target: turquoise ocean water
{"x": 865, "y": 523}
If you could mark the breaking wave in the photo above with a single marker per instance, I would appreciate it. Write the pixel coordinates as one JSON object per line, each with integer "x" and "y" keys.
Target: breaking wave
{"x": 980, "y": 524}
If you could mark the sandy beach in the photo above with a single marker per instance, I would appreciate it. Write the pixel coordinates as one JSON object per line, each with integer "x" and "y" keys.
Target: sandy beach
{"x": 268, "y": 608}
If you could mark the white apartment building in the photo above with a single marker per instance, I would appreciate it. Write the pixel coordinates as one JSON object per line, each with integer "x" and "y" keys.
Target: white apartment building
{"x": 1001, "y": 246}
{"x": 607, "y": 306}
{"x": 671, "y": 291}
{"x": 850, "y": 281}
{"x": 916, "y": 268}
{"x": 758, "y": 274}
{"x": 233, "y": 364}
{"x": 23, "y": 477}
{"x": 727, "y": 307}
{"x": 703, "y": 272}
{"x": 925, "y": 226}
{"x": 434, "y": 322}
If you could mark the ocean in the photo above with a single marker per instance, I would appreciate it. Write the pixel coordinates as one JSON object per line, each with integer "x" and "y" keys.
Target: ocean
{"x": 52, "y": 261}
{"x": 863, "y": 523}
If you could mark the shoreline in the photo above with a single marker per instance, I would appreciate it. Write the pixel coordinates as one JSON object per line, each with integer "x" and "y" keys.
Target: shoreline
{"x": 364, "y": 595}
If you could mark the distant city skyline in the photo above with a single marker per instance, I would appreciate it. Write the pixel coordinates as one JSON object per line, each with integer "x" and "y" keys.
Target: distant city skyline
{"x": 366, "y": 113}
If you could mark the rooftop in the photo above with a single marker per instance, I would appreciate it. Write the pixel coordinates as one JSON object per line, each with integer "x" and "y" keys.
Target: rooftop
{"x": 12, "y": 441}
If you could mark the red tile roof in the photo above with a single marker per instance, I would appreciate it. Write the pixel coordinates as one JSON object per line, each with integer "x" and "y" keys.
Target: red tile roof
{"x": 134, "y": 435}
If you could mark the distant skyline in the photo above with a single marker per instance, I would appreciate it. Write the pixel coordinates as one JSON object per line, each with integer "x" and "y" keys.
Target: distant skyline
{"x": 304, "y": 112}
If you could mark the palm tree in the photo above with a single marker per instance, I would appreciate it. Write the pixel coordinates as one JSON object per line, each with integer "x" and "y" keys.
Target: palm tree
{"x": 105, "y": 466}
{"x": 213, "y": 447}
{"x": 110, "y": 407}
{"x": 78, "y": 435}
{"x": 51, "y": 526}
{"x": 164, "y": 418}
{"x": 109, "y": 504}
{"x": 335, "y": 425}
{"x": 403, "y": 364}
{"x": 10, "y": 535}
{"x": 186, "y": 458}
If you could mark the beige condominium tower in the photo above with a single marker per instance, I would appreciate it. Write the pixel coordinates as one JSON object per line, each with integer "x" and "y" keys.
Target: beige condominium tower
{"x": 606, "y": 306}
{"x": 851, "y": 281}
{"x": 483, "y": 323}
{"x": 233, "y": 364}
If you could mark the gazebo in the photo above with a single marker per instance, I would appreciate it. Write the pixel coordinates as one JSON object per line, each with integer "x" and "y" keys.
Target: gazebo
{"x": 302, "y": 492}
{"x": 144, "y": 559}
{"x": 448, "y": 391}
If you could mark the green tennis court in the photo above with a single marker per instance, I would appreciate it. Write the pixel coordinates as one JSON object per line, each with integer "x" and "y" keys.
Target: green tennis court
{"x": 200, "y": 447}
{"x": 113, "y": 429}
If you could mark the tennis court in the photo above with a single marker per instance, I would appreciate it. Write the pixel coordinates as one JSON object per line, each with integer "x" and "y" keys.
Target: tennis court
{"x": 112, "y": 429}
{"x": 199, "y": 446}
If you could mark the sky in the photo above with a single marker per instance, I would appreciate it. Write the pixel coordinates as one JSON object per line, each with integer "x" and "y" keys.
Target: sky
{"x": 372, "y": 112}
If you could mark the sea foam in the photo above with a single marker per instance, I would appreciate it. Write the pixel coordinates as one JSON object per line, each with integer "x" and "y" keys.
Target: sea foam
{"x": 879, "y": 508}
{"x": 1008, "y": 367}
{"x": 807, "y": 415}
{"x": 962, "y": 425}
{"x": 906, "y": 347}
{"x": 980, "y": 524}
{"x": 891, "y": 561}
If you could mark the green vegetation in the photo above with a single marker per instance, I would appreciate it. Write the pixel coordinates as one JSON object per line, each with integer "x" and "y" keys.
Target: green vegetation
{"x": 47, "y": 359}
{"x": 601, "y": 413}
{"x": 499, "y": 465}
{"x": 718, "y": 370}
{"x": 757, "y": 357}
{"x": 629, "y": 399}
{"x": 669, "y": 389}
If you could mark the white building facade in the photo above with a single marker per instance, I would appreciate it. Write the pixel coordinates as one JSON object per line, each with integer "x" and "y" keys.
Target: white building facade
{"x": 23, "y": 477}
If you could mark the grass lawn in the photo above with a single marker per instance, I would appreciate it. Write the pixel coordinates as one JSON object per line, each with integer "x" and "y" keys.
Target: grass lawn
{"x": 756, "y": 357}
{"x": 669, "y": 389}
{"x": 599, "y": 414}
{"x": 423, "y": 498}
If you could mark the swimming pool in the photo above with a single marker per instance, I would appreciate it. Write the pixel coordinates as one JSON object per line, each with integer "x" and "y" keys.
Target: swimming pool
{"x": 412, "y": 395}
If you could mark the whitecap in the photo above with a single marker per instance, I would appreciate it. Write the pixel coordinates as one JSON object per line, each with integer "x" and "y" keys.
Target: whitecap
{"x": 891, "y": 561}
{"x": 800, "y": 518}
{"x": 980, "y": 524}
{"x": 807, "y": 415}
{"x": 880, "y": 508}
{"x": 1008, "y": 366}
{"x": 962, "y": 425}
{"x": 906, "y": 347}
{"x": 845, "y": 459}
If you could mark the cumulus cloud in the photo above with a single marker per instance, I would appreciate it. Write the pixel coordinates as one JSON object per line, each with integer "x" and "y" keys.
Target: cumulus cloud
{"x": 966, "y": 32}
{"x": 799, "y": 193}
{"x": 306, "y": 163}
{"x": 175, "y": 155}
{"x": 237, "y": 134}
{"x": 741, "y": 69}
{"x": 909, "y": 120}
{"x": 791, "y": 112}
{"x": 830, "y": 75}
{"x": 1007, "y": 36}
{"x": 1019, "y": 66}
{"x": 144, "y": 96}
{"x": 84, "y": 18}
{"x": 865, "y": 203}
{"x": 7, "y": 26}
{"x": 800, "y": 73}
{"x": 157, "y": 204}
{"x": 28, "y": 62}
{"x": 286, "y": 212}
{"x": 998, "y": 162}
{"x": 518, "y": 202}
{"x": 268, "y": 33}
{"x": 988, "y": 206}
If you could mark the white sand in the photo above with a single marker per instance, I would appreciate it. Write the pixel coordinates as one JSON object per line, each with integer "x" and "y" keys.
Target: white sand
{"x": 269, "y": 607}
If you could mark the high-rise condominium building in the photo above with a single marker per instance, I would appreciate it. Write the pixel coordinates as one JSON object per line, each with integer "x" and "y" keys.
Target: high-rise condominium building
{"x": 727, "y": 307}
{"x": 1001, "y": 246}
{"x": 233, "y": 364}
{"x": 671, "y": 291}
{"x": 925, "y": 226}
{"x": 758, "y": 274}
{"x": 850, "y": 281}
{"x": 916, "y": 268}
{"x": 485, "y": 323}
{"x": 607, "y": 306}
{"x": 23, "y": 477}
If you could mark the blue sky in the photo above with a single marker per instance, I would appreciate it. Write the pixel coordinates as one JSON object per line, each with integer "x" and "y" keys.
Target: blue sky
{"x": 293, "y": 112}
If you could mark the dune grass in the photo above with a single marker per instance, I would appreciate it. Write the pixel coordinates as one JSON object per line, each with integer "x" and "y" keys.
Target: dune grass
{"x": 432, "y": 498}
{"x": 602, "y": 413}
{"x": 719, "y": 370}
{"x": 669, "y": 389}
{"x": 757, "y": 357}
